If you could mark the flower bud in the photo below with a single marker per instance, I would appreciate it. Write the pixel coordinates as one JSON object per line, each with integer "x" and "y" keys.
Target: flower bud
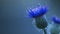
{"x": 41, "y": 22}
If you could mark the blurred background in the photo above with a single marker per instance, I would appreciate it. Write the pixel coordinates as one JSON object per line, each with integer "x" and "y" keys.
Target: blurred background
{"x": 13, "y": 15}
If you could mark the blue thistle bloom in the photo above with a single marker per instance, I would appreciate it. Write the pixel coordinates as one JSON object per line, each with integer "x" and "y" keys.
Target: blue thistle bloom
{"x": 56, "y": 20}
{"x": 40, "y": 21}
{"x": 38, "y": 11}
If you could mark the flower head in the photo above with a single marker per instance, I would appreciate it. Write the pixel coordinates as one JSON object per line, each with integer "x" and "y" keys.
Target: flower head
{"x": 38, "y": 11}
{"x": 56, "y": 20}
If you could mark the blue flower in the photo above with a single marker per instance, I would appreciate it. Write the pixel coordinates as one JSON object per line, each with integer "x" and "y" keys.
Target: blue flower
{"x": 38, "y": 11}
{"x": 56, "y": 20}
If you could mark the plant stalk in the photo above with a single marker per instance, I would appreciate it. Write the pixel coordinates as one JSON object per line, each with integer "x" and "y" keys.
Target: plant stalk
{"x": 45, "y": 32}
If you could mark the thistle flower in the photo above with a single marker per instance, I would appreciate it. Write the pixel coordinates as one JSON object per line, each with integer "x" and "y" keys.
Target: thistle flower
{"x": 38, "y": 11}
{"x": 56, "y": 20}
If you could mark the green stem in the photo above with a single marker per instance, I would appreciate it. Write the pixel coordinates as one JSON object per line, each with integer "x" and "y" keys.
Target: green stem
{"x": 45, "y": 32}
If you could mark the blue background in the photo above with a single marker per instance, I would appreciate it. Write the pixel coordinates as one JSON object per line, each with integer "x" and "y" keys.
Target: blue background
{"x": 13, "y": 15}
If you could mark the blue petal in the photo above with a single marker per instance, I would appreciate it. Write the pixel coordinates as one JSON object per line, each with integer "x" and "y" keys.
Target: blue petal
{"x": 39, "y": 11}
{"x": 42, "y": 11}
{"x": 56, "y": 20}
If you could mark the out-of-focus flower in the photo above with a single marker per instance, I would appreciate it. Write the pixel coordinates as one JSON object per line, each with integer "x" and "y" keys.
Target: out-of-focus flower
{"x": 54, "y": 28}
{"x": 56, "y": 20}
{"x": 38, "y": 11}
